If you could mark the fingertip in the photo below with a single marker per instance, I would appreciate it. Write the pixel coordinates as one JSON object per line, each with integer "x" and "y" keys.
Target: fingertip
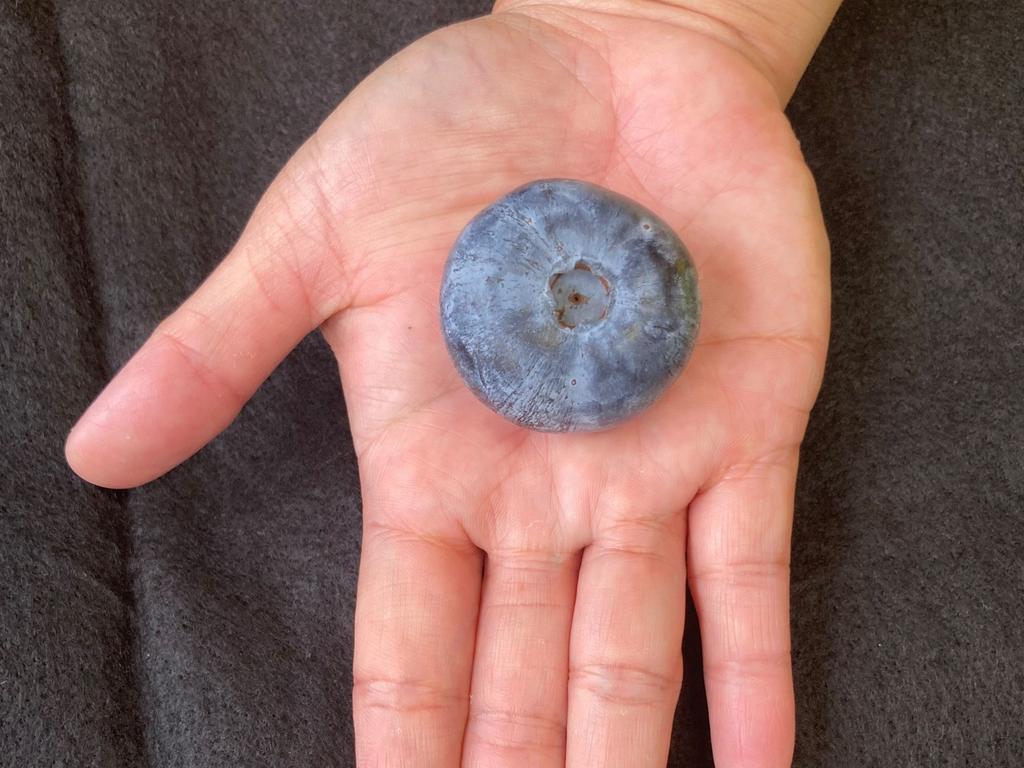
{"x": 77, "y": 455}
{"x": 156, "y": 413}
{"x": 753, "y": 723}
{"x": 100, "y": 453}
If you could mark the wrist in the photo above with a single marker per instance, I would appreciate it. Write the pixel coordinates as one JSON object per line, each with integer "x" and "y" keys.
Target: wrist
{"x": 777, "y": 36}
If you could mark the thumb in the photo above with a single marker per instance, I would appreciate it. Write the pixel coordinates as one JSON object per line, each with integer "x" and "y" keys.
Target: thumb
{"x": 282, "y": 279}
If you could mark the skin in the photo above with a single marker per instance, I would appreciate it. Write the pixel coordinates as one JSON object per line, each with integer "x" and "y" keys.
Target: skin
{"x": 521, "y": 594}
{"x": 566, "y": 307}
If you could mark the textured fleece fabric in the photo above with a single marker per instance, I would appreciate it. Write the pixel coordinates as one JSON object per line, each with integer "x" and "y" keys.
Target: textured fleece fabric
{"x": 206, "y": 619}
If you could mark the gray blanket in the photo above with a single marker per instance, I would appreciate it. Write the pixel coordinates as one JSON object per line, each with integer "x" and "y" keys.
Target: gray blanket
{"x": 206, "y": 619}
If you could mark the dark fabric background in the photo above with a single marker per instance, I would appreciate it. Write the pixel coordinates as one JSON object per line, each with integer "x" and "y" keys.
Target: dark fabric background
{"x": 206, "y": 620}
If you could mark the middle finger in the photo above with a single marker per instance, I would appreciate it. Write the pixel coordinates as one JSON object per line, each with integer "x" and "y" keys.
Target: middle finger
{"x": 518, "y": 694}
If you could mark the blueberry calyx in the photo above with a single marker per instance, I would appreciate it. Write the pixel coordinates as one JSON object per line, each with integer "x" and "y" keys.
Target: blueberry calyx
{"x": 579, "y": 296}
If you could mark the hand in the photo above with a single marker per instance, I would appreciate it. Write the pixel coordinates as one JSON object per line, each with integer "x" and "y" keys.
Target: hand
{"x": 521, "y": 595}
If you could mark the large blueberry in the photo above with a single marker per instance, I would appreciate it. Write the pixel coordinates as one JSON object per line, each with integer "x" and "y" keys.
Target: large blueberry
{"x": 566, "y": 306}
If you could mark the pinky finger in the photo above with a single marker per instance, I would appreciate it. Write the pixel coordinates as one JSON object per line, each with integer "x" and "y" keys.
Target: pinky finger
{"x": 739, "y": 576}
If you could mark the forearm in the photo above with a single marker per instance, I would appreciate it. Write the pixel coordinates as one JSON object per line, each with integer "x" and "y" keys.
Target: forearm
{"x": 778, "y": 36}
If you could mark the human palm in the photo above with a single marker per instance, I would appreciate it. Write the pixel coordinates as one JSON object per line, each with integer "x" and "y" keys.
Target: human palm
{"x": 522, "y": 594}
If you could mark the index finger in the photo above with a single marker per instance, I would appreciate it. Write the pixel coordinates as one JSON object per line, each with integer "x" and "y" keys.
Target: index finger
{"x": 416, "y": 613}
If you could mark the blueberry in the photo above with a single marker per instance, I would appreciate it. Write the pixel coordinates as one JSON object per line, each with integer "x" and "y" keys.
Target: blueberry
{"x": 567, "y": 307}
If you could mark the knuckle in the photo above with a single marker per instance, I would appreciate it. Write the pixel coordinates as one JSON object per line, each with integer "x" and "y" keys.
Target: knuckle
{"x": 398, "y": 533}
{"x": 627, "y": 685}
{"x": 403, "y": 696}
{"x": 748, "y": 667}
{"x": 304, "y": 268}
{"x": 507, "y": 729}
{"x": 299, "y": 255}
{"x": 215, "y": 381}
{"x": 528, "y": 566}
{"x": 751, "y": 574}
{"x": 640, "y": 537}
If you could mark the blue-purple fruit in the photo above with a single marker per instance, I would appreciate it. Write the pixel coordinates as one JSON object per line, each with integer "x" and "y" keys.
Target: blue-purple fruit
{"x": 568, "y": 307}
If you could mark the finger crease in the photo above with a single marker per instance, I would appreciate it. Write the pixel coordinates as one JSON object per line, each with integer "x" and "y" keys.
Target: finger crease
{"x": 196, "y": 361}
{"x": 626, "y": 685}
{"x": 405, "y": 696}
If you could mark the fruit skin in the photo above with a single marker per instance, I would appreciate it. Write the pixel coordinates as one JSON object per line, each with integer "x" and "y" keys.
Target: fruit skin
{"x": 585, "y": 362}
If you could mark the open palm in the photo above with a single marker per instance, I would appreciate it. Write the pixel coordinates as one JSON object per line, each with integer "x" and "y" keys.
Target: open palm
{"x": 521, "y": 594}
